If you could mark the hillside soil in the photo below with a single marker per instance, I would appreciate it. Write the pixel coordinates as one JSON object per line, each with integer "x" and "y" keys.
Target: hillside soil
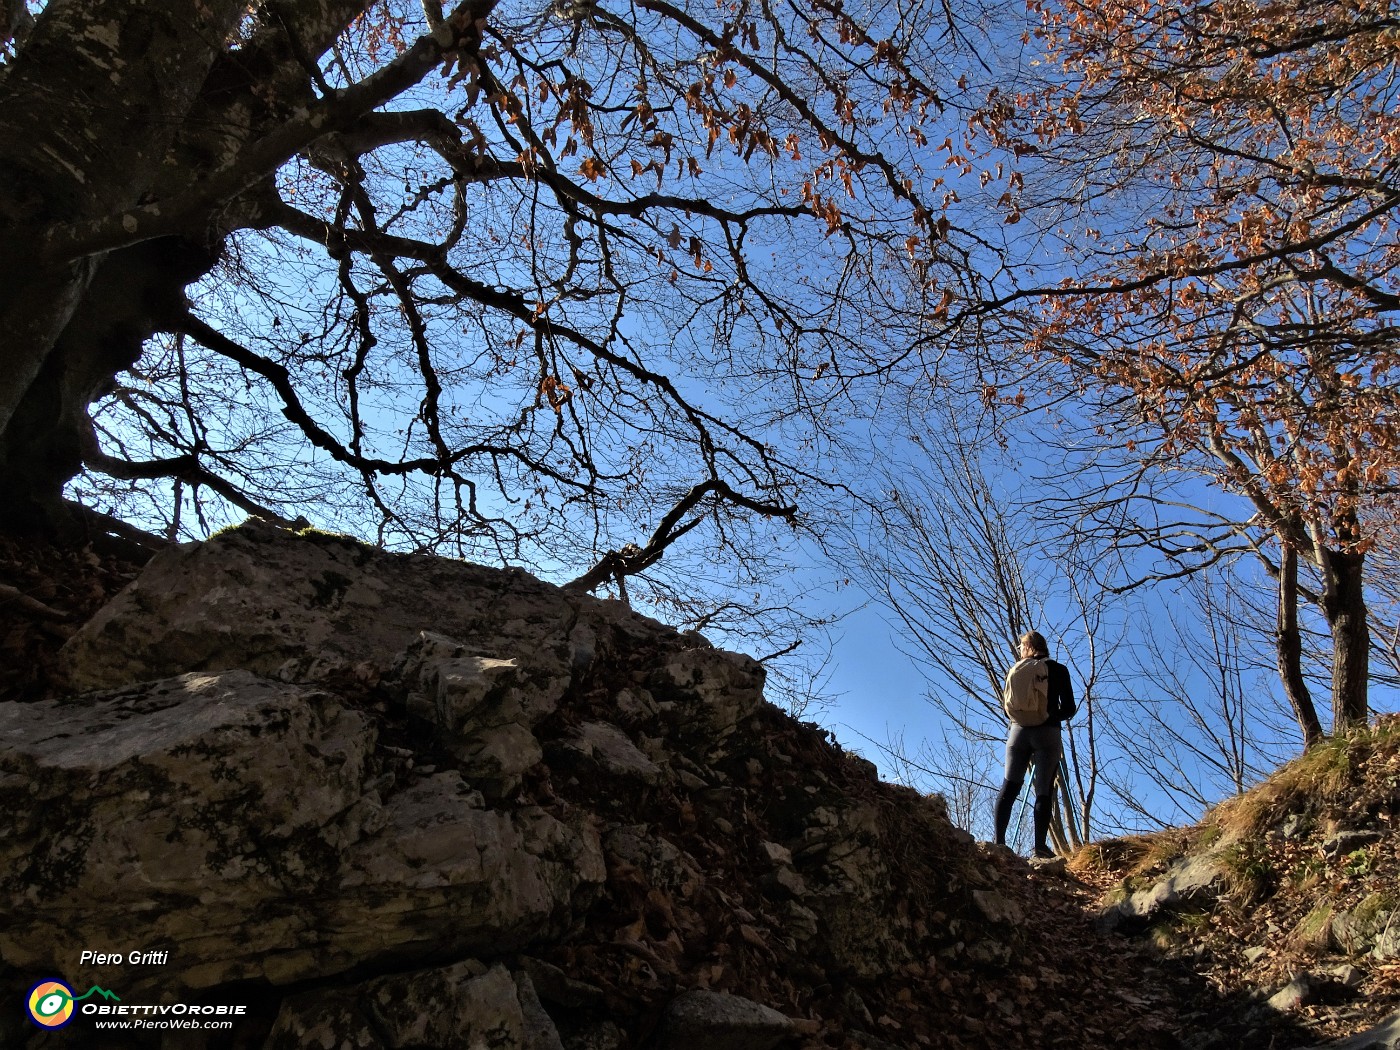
{"x": 1305, "y": 908}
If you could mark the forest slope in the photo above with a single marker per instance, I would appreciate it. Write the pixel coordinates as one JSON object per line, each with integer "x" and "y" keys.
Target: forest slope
{"x": 1289, "y": 893}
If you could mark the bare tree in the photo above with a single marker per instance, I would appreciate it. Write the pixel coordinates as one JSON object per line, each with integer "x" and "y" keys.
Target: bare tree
{"x": 1227, "y": 276}
{"x": 563, "y": 285}
{"x": 1195, "y": 717}
{"x": 960, "y": 766}
{"x": 964, "y": 575}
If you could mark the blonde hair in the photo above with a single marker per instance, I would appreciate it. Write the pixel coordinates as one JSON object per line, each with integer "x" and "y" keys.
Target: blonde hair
{"x": 1035, "y": 642}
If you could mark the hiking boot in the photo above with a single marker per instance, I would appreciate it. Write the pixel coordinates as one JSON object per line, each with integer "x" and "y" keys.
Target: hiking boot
{"x": 1043, "y": 853}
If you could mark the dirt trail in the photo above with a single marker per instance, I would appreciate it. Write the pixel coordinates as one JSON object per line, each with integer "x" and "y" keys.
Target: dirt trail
{"x": 1099, "y": 990}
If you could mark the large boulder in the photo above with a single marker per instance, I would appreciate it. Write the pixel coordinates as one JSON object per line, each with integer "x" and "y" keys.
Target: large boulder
{"x": 318, "y": 607}
{"x": 464, "y": 1005}
{"x": 718, "y": 1021}
{"x": 251, "y": 828}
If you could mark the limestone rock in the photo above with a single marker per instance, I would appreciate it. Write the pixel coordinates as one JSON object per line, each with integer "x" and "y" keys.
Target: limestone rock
{"x": 718, "y": 1021}
{"x": 601, "y": 1035}
{"x": 610, "y": 749}
{"x": 136, "y": 801}
{"x": 458, "y": 690}
{"x": 1294, "y": 827}
{"x": 1348, "y": 841}
{"x": 1364, "y": 928}
{"x": 538, "y": 1031}
{"x": 236, "y": 815}
{"x": 1190, "y": 878}
{"x": 776, "y": 853}
{"x": 482, "y": 709}
{"x": 1385, "y": 1036}
{"x": 305, "y": 607}
{"x": 1049, "y": 865}
{"x": 711, "y": 692}
{"x": 997, "y": 907}
{"x": 1388, "y": 941}
{"x": 417, "y": 803}
{"x": 664, "y": 865}
{"x": 1296, "y": 993}
{"x": 554, "y": 986}
{"x": 461, "y": 1007}
{"x": 1311, "y": 986}
{"x": 1344, "y": 974}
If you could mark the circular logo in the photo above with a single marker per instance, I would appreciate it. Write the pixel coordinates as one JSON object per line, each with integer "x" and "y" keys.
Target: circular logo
{"x": 51, "y": 1004}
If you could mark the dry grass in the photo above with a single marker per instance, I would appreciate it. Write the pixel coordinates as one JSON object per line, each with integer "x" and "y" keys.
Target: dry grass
{"x": 1314, "y": 930}
{"x": 1327, "y": 773}
{"x": 1122, "y": 858}
{"x": 1249, "y": 870}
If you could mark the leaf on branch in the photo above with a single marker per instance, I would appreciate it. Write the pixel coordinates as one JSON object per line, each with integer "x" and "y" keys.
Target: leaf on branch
{"x": 554, "y": 391}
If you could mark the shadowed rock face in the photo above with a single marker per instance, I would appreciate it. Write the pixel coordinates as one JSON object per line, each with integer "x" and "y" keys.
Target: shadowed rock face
{"x": 242, "y": 819}
{"x": 405, "y": 801}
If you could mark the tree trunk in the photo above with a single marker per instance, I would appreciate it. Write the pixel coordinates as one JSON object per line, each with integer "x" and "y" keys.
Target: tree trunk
{"x": 90, "y": 109}
{"x": 1065, "y": 832}
{"x": 108, "y": 107}
{"x": 1344, "y": 607}
{"x": 1289, "y": 641}
{"x": 134, "y": 293}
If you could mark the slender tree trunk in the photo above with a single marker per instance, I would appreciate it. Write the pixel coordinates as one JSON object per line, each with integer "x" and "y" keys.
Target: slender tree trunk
{"x": 1344, "y": 607}
{"x": 1289, "y": 642}
{"x": 1065, "y": 833}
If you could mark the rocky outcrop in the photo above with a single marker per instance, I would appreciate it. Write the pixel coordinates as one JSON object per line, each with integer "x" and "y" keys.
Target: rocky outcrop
{"x": 1382, "y": 1037}
{"x": 467, "y": 1004}
{"x": 1192, "y": 879}
{"x": 252, "y": 827}
{"x": 1286, "y": 895}
{"x": 397, "y": 801}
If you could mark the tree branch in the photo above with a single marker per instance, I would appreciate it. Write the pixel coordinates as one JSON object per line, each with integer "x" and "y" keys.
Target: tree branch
{"x": 59, "y": 244}
{"x": 630, "y": 560}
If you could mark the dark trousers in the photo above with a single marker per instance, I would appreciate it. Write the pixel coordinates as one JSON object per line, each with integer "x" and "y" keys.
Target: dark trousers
{"x": 1024, "y": 743}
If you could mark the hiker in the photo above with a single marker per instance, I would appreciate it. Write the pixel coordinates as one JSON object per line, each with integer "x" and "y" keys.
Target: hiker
{"x": 1038, "y": 696}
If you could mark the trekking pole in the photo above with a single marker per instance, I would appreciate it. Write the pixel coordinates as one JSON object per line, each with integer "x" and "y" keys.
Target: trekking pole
{"x": 1065, "y": 793}
{"x": 1020, "y": 819}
